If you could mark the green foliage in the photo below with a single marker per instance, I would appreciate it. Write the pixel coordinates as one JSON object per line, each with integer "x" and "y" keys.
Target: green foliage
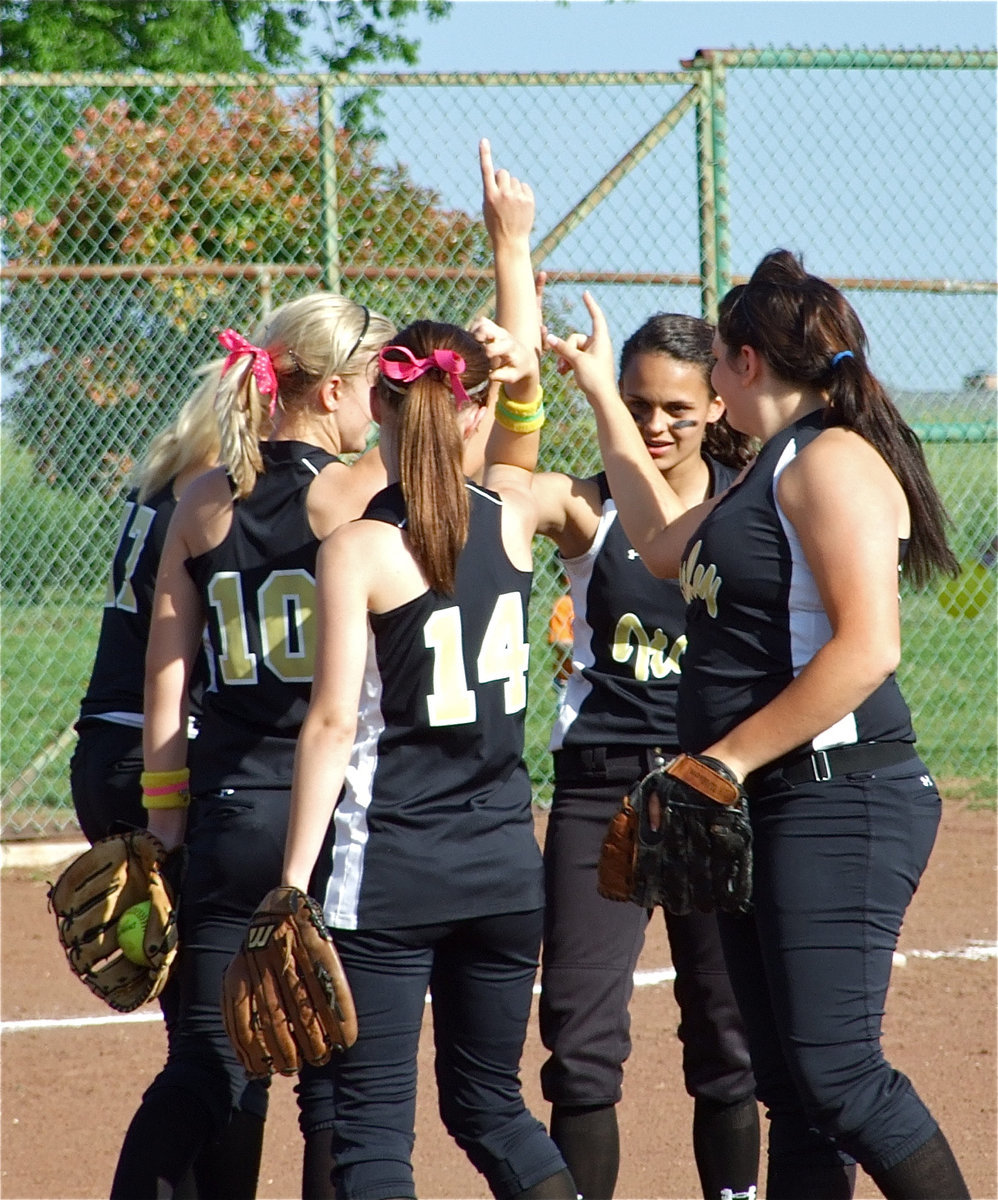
{"x": 209, "y": 36}
{"x": 154, "y": 35}
{"x": 236, "y": 181}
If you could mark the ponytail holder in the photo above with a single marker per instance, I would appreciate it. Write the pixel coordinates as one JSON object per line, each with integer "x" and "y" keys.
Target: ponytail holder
{"x": 449, "y": 361}
{"x": 263, "y": 365}
{"x": 842, "y": 354}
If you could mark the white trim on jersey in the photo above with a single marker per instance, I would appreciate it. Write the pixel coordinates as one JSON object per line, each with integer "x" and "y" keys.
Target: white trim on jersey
{"x": 480, "y": 491}
{"x": 342, "y": 900}
{"x": 580, "y": 572}
{"x": 809, "y": 626}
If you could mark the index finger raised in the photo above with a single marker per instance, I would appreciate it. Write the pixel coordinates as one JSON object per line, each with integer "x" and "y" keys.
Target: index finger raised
{"x": 595, "y": 313}
{"x": 485, "y": 161}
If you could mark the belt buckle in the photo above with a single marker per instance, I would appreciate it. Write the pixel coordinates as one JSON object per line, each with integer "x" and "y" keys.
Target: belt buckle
{"x": 820, "y": 765}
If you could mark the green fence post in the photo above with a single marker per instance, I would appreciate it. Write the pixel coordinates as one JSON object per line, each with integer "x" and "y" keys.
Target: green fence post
{"x": 328, "y": 188}
{"x": 719, "y": 129}
{"x": 706, "y": 202}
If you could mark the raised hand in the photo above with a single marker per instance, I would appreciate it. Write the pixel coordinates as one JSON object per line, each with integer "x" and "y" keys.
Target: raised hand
{"x": 507, "y": 202}
{"x": 590, "y": 357}
{"x": 509, "y": 360}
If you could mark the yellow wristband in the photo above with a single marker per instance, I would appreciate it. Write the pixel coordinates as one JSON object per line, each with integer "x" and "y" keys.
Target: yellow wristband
{"x": 166, "y": 789}
{"x": 155, "y": 779}
{"x": 517, "y": 424}
{"x": 521, "y": 408}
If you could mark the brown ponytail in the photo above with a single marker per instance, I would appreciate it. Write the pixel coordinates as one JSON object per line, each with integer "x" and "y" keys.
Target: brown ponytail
{"x": 811, "y": 336}
{"x": 431, "y": 446}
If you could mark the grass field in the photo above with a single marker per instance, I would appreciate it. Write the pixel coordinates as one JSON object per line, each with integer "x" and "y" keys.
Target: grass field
{"x": 948, "y": 673}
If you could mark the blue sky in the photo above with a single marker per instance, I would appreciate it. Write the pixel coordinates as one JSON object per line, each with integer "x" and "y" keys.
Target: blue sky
{"x": 633, "y": 35}
{"x": 806, "y": 174}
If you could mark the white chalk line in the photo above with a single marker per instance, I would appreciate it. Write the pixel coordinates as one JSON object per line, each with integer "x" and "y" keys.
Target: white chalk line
{"x": 975, "y": 952}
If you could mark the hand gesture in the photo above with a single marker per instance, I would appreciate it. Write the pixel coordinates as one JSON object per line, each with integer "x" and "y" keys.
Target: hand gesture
{"x": 507, "y": 203}
{"x": 589, "y": 358}
{"x": 509, "y": 361}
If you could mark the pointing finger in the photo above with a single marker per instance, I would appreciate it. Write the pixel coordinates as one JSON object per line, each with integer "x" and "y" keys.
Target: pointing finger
{"x": 485, "y": 160}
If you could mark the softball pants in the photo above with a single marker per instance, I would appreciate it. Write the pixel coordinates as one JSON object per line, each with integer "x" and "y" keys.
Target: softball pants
{"x": 480, "y": 973}
{"x": 104, "y": 776}
{"x": 236, "y": 848}
{"x": 591, "y": 948}
{"x": 836, "y": 863}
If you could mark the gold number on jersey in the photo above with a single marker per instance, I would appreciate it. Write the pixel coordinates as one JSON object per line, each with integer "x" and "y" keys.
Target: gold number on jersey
{"x": 451, "y": 702}
{"x": 286, "y": 607}
{"x": 504, "y": 654}
{"x": 650, "y": 657}
{"x": 136, "y": 524}
{"x": 236, "y": 661}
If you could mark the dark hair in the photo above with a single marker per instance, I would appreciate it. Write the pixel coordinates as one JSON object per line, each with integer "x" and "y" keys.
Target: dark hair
{"x": 431, "y": 447}
{"x": 801, "y": 325}
{"x": 689, "y": 340}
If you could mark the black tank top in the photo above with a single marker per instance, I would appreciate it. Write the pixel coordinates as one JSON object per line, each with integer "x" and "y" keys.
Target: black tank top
{"x": 116, "y": 688}
{"x": 258, "y": 590}
{"x": 435, "y": 823}
{"x": 755, "y": 618}
{"x": 629, "y": 639}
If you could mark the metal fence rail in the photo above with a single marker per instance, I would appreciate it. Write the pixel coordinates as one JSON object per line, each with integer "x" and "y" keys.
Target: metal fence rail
{"x": 142, "y": 213}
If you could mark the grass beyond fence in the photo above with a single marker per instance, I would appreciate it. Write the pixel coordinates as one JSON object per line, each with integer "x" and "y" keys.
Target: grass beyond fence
{"x": 948, "y": 671}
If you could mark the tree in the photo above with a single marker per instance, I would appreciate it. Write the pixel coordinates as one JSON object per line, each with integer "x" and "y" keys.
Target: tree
{"x": 203, "y": 35}
{"x": 229, "y": 179}
{"x": 174, "y": 36}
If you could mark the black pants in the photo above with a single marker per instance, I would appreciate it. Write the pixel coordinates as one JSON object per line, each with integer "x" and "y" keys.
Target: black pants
{"x": 836, "y": 863}
{"x": 591, "y": 947}
{"x": 104, "y": 777}
{"x": 235, "y": 852}
{"x": 480, "y": 973}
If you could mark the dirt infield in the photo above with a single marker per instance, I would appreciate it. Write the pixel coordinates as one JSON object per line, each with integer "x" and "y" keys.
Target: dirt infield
{"x": 68, "y": 1090}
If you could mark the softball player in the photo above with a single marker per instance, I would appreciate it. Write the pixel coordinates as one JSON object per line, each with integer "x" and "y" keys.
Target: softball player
{"x": 616, "y": 720}
{"x": 418, "y": 715}
{"x": 240, "y": 556}
{"x": 791, "y": 582}
{"x": 107, "y": 759}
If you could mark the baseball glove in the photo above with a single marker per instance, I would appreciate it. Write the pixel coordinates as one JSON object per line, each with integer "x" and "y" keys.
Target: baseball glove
{"x": 285, "y": 998}
{"x": 90, "y": 896}
{"x": 682, "y": 840}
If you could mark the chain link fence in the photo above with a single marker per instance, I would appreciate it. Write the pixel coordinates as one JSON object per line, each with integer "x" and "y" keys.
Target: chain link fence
{"x": 143, "y": 213}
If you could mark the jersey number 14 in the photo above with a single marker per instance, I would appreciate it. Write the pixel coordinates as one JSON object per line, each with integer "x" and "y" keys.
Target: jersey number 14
{"x": 504, "y": 654}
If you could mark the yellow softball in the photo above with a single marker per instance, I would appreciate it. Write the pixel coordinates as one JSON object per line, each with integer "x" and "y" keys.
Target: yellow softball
{"x": 132, "y": 932}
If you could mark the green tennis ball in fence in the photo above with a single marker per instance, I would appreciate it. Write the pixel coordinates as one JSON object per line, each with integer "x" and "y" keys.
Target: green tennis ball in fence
{"x": 971, "y": 592}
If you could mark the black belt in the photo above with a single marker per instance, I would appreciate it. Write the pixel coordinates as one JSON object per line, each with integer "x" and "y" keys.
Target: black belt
{"x": 815, "y": 766}
{"x": 593, "y": 759}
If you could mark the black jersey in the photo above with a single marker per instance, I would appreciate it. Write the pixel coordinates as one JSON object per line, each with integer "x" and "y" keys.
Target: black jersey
{"x": 629, "y": 638}
{"x": 435, "y": 822}
{"x": 115, "y": 690}
{"x": 258, "y": 590}
{"x": 755, "y": 617}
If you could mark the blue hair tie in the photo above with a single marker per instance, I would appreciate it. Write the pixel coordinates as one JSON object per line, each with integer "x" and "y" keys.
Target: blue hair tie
{"x": 842, "y": 354}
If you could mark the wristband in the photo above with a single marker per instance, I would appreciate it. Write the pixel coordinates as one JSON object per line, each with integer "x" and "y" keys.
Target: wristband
{"x": 166, "y": 789}
{"x": 522, "y": 408}
{"x": 520, "y": 416}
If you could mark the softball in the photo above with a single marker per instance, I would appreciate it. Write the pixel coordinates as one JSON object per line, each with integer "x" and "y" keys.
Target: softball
{"x": 132, "y": 931}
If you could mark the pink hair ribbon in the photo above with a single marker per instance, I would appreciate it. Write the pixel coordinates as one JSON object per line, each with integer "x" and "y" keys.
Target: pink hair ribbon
{"x": 448, "y": 361}
{"x": 263, "y": 366}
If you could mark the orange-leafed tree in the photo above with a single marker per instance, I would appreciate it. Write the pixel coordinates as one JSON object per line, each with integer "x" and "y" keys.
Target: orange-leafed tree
{"x": 228, "y": 178}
